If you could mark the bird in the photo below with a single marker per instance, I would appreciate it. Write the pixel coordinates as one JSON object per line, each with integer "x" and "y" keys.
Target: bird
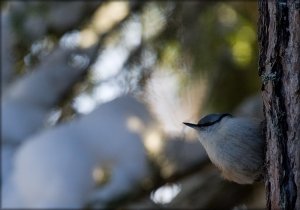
{"x": 234, "y": 144}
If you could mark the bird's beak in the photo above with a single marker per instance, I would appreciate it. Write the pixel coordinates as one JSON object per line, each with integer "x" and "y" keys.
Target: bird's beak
{"x": 191, "y": 125}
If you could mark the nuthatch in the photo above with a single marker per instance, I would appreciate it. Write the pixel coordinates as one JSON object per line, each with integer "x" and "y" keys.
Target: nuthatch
{"x": 235, "y": 145}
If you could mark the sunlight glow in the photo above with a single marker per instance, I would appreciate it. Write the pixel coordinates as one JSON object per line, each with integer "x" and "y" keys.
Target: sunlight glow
{"x": 153, "y": 21}
{"x": 242, "y": 52}
{"x": 171, "y": 103}
{"x": 112, "y": 59}
{"x": 226, "y": 15}
{"x": 98, "y": 175}
{"x": 134, "y": 124}
{"x": 241, "y": 45}
{"x": 153, "y": 141}
{"x": 88, "y": 38}
{"x": 246, "y": 33}
{"x": 109, "y": 14}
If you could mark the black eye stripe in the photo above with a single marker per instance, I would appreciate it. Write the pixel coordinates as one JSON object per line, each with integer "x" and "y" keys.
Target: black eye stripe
{"x": 212, "y": 119}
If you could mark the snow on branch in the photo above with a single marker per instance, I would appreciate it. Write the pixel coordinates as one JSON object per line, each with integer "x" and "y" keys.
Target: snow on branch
{"x": 54, "y": 168}
{"x": 26, "y": 102}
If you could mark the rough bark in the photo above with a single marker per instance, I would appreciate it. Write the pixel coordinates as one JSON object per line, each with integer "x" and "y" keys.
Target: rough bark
{"x": 279, "y": 68}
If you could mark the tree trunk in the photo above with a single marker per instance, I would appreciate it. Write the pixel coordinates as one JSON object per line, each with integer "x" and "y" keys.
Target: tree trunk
{"x": 279, "y": 68}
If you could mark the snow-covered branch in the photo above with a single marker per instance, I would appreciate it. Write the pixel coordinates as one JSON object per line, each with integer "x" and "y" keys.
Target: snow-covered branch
{"x": 27, "y": 102}
{"x": 55, "y": 167}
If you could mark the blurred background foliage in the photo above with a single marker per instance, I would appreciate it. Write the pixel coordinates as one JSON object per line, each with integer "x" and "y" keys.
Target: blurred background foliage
{"x": 213, "y": 43}
{"x": 185, "y": 58}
